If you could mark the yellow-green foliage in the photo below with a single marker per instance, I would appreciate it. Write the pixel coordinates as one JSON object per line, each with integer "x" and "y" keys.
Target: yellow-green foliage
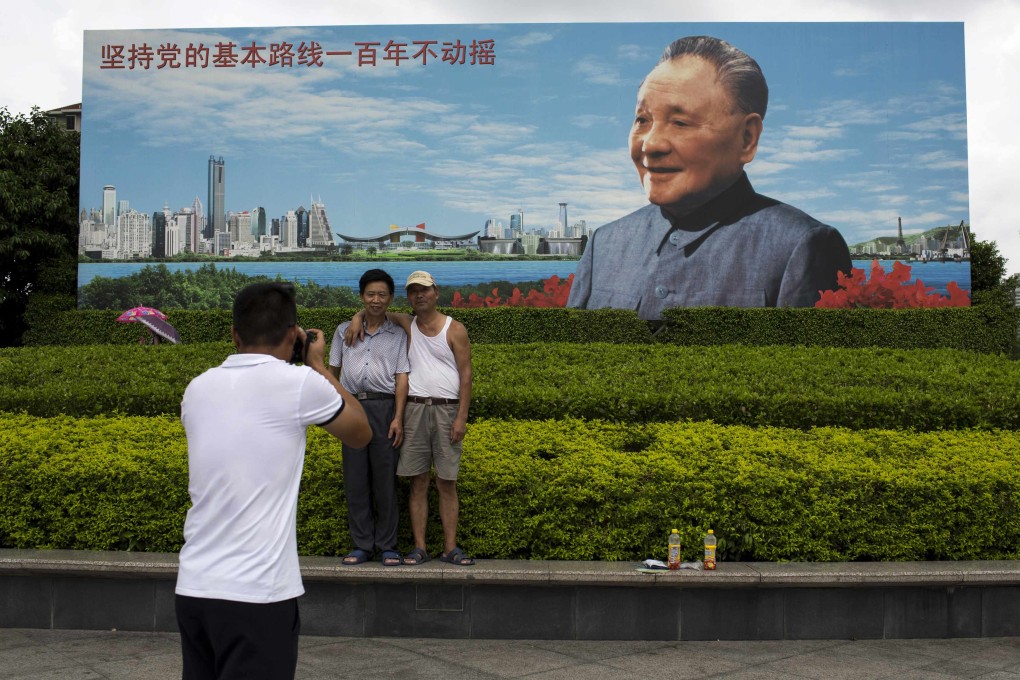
{"x": 787, "y": 386}
{"x": 600, "y": 491}
{"x": 563, "y": 489}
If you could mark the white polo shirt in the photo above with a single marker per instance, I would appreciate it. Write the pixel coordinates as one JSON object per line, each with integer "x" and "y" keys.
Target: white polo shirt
{"x": 246, "y": 425}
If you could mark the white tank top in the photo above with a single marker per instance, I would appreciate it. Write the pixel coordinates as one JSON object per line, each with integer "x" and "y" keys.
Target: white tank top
{"x": 433, "y": 367}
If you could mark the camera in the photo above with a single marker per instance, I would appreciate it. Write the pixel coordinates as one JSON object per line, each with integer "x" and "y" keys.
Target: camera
{"x": 300, "y": 353}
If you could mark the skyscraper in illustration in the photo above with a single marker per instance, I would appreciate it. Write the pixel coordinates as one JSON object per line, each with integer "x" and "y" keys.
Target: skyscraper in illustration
{"x": 302, "y": 226}
{"x": 110, "y": 205}
{"x": 216, "y": 221}
{"x": 319, "y": 235}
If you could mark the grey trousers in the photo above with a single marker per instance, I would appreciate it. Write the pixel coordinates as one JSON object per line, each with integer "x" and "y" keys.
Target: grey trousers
{"x": 370, "y": 483}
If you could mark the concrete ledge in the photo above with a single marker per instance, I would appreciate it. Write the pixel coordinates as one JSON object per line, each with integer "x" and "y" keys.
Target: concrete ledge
{"x": 546, "y": 572}
{"x": 507, "y": 599}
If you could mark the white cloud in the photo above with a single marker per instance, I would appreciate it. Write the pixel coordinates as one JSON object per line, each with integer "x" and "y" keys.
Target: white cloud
{"x": 531, "y": 39}
{"x": 589, "y": 120}
{"x": 597, "y": 73}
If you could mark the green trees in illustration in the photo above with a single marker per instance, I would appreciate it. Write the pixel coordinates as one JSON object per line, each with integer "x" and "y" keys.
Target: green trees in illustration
{"x": 207, "y": 287}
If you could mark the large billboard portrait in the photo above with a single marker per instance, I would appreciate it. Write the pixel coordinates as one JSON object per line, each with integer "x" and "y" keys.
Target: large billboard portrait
{"x": 635, "y": 166}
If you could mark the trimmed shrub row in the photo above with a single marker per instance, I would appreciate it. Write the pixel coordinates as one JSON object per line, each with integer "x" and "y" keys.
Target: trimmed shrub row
{"x": 981, "y": 328}
{"x": 781, "y": 386}
{"x": 497, "y": 325}
{"x": 566, "y": 489}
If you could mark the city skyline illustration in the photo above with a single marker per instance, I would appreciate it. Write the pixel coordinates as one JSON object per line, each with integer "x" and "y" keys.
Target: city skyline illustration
{"x": 454, "y": 125}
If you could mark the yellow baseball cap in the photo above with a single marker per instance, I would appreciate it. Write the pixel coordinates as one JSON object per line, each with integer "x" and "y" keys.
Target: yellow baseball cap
{"x": 420, "y": 278}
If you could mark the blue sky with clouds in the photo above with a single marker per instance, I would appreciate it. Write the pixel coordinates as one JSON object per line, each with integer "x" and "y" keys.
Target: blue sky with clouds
{"x": 866, "y": 122}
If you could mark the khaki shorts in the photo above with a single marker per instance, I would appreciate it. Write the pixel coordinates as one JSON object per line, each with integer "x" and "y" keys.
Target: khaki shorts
{"x": 427, "y": 441}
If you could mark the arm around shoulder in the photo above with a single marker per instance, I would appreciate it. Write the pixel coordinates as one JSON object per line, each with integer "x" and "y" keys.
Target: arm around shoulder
{"x": 402, "y": 320}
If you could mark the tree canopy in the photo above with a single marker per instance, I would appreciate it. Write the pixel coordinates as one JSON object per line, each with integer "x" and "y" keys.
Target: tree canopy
{"x": 988, "y": 280}
{"x": 38, "y": 207}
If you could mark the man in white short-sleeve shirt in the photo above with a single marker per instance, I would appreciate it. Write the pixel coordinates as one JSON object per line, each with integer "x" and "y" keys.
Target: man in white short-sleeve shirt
{"x": 246, "y": 422}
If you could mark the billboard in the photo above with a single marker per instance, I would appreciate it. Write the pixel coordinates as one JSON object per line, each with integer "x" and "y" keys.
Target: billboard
{"x": 497, "y": 152}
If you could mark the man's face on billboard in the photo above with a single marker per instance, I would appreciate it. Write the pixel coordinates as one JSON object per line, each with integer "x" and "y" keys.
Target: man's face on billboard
{"x": 688, "y": 142}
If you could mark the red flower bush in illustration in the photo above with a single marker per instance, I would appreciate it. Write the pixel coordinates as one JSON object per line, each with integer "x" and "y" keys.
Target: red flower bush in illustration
{"x": 554, "y": 294}
{"x": 888, "y": 291}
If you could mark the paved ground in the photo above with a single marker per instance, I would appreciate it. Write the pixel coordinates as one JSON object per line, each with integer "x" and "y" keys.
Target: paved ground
{"x": 91, "y": 655}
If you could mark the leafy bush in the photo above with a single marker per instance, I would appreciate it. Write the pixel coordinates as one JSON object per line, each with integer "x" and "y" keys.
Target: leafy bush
{"x": 783, "y": 386}
{"x": 95, "y": 327}
{"x": 981, "y": 328}
{"x": 565, "y": 489}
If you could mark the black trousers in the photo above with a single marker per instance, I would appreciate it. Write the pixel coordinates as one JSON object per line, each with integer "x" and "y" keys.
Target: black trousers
{"x": 370, "y": 483}
{"x": 225, "y": 640}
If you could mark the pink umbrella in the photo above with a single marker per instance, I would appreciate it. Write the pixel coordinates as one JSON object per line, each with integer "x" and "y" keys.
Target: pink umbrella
{"x": 136, "y": 313}
{"x": 161, "y": 328}
{"x": 154, "y": 320}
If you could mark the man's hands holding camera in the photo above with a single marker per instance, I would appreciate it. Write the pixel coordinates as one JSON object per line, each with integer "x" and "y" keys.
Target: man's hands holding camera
{"x": 310, "y": 349}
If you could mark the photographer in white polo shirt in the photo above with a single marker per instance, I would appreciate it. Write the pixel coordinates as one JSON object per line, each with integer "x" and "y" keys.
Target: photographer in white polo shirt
{"x": 246, "y": 422}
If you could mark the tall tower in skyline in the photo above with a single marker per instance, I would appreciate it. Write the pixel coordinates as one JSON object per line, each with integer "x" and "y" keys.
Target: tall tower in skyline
{"x": 517, "y": 221}
{"x": 563, "y": 218}
{"x": 215, "y": 200}
{"x": 319, "y": 235}
{"x": 110, "y": 205}
{"x": 258, "y": 222}
{"x": 198, "y": 225}
{"x": 302, "y": 226}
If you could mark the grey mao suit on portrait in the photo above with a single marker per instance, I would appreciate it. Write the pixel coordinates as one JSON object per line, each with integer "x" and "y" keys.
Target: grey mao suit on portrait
{"x": 741, "y": 249}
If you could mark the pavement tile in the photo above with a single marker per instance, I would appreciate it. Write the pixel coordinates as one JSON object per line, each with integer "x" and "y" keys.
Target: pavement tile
{"x": 62, "y": 674}
{"x": 108, "y": 646}
{"x": 949, "y": 648}
{"x": 888, "y": 650}
{"x": 508, "y": 659}
{"x": 596, "y": 650}
{"x": 23, "y": 661}
{"x": 682, "y": 660}
{"x": 10, "y": 638}
{"x": 153, "y": 667}
{"x": 755, "y": 652}
{"x": 834, "y": 664}
{"x": 920, "y": 674}
{"x": 1004, "y": 654}
{"x": 591, "y": 671}
{"x": 956, "y": 668}
{"x": 759, "y": 673}
{"x": 351, "y": 658}
{"x": 423, "y": 669}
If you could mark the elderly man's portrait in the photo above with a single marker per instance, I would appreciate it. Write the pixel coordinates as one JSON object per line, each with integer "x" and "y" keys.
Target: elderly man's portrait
{"x": 637, "y": 166}
{"x": 706, "y": 238}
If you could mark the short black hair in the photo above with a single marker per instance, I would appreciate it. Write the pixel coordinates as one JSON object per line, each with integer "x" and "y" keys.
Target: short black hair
{"x": 264, "y": 312}
{"x": 373, "y": 275}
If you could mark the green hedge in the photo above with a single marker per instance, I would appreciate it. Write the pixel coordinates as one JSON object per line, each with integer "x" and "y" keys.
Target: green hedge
{"x": 782, "y": 386}
{"x": 497, "y": 325}
{"x": 566, "y": 489}
{"x": 981, "y": 328}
